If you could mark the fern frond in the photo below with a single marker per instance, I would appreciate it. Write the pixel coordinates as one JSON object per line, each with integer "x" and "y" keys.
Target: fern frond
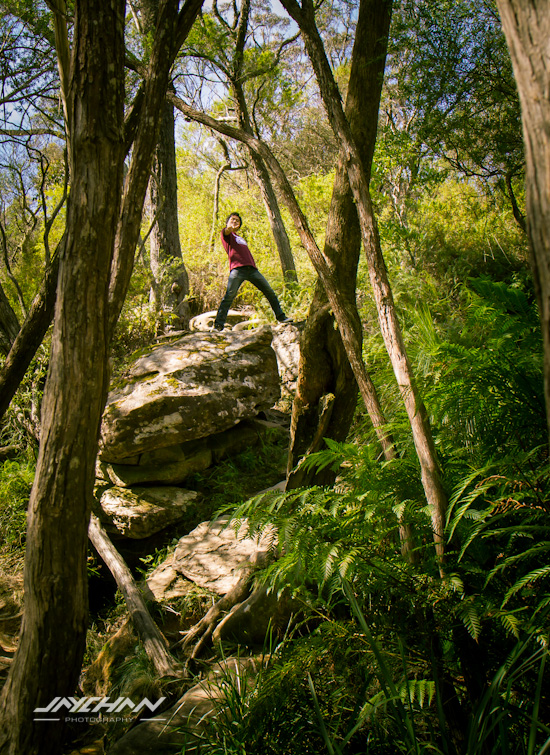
{"x": 470, "y": 618}
{"x": 417, "y": 690}
{"x": 526, "y": 580}
{"x": 511, "y": 623}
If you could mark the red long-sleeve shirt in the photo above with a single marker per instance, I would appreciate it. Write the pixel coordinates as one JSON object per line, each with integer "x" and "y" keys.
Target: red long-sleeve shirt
{"x": 237, "y": 250}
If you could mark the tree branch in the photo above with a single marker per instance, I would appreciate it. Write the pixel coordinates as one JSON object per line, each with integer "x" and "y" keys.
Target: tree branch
{"x": 153, "y": 641}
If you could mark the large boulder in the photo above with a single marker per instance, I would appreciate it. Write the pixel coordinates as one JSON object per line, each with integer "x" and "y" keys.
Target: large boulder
{"x": 198, "y": 385}
{"x": 173, "y": 464}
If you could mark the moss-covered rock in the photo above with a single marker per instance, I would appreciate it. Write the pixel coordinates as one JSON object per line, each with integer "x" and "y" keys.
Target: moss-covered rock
{"x": 199, "y": 385}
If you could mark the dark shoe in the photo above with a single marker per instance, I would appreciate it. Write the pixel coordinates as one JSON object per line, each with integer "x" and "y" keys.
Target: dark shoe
{"x": 217, "y": 326}
{"x": 285, "y": 320}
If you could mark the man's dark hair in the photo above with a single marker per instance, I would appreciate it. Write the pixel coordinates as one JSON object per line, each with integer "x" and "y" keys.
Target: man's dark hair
{"x": 234, "y": 214}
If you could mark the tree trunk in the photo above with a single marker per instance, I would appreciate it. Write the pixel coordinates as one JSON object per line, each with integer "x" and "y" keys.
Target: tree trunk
{"x": 282, "y": 242}
{"x": 324, "y": 366}
{"x": 269, "y": 197}
{"x": 48, "y": 660}
{"x": 304, "y": 16}
{"x": 92, "y": 286}
{"x": 167, "y": 263}
{"x": 171, "y": 30}
{"x": 153, "y": 641}
{"x": 31, "y": 334}
{"x": 9, "y": 324}
{"x": 216, "y": 206}
{"x": 526, "y": 26}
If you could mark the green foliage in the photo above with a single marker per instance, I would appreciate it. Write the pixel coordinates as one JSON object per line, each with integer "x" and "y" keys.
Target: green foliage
{"x": 483, "y": 384}
{"x": 453, "y": 665}
{"x": 135, "y": 677}
{"x": 236, "y": 478}
{"x": 16, "y": 479}
{"x": 467, "y": 108}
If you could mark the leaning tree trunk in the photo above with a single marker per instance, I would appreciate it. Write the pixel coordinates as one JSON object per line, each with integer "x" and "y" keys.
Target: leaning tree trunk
{"x": 167, "y": 263}
{"x": 282, "y": 242}
{"x": 324, "y": 366}
{"x": 263, "y": 178}
{"x": 436, "y": 497}
{"x": 9, "y": 324}
{"x": 55, "y": 615}
{"x": 321, "y": 263}
{"x": 526, "y": 26}
{"x": 151, "y": 637}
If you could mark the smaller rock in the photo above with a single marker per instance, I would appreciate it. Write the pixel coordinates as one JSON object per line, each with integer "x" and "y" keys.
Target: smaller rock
{"x": 205, "y": 321}
{"x": 179, "y": 728}
{"x": 212, "y": 555}
{"x": 141, "y": 512}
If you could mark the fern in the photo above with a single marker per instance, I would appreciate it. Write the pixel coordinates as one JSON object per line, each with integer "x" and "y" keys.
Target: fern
{"x": 470, "y": 617}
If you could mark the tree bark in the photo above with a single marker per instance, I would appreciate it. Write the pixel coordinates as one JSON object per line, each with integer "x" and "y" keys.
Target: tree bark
{"x": 53, "y": 632}
{"x": 167, "y": 263}
{"x": 324, "y": 366}
{"x": 153, "y": 641}
{"x": 526, "y": 26}
{"x": 9, "y": 324}
{"x": 436, "y": 497}
{"x": 31, "y": 334}
{"x": 282, "y": 242}
{"x": 170, "y": 33}
{"x": 263, "y": 179}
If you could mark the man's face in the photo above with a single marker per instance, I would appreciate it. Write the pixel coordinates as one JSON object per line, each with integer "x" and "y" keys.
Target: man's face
{"x": 234, "y": 223}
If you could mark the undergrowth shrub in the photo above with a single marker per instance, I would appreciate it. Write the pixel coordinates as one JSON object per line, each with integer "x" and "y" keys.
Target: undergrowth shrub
{"x": 452, "y": 665}
{"x": 16, "y": 478}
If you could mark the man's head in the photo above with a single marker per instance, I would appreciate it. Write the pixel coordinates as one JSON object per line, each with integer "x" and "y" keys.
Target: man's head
{"x": 234, "y": 221}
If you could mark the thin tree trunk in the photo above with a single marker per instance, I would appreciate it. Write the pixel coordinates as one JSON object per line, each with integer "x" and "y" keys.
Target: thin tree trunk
{"x": 167, "y": 263}
{"x": 53, "y": 632}
{"x": 263, "y": 179}
{"x": 9, "y": 324}
{"x": 321, "y": 263}
{"x": 216, "y": 205}
{"x": 282, "y": 242}
{"x": 170, "y": 33}
{"x": 526, "y": 26}
{"x": 31, "y": 334}
{"x": 436, "y": 497}
{"x": 324, "y": 367}
{"x": 154, "y": 643}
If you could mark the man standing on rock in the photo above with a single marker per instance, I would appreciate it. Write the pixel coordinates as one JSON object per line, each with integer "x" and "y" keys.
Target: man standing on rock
{"x": 242, "y": 268}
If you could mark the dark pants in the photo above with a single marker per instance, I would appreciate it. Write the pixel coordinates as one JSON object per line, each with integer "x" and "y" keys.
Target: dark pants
{"x": 236, "y": 278}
